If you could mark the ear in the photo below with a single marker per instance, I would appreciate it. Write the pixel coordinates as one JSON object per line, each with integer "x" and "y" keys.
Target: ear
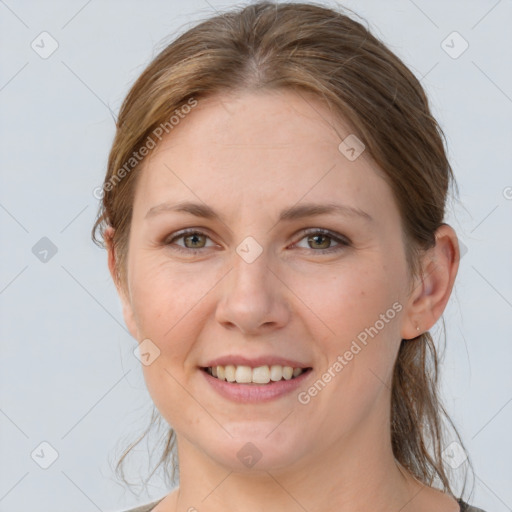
{"x": 128, "y": 315}
{"x": 433, "y": 288}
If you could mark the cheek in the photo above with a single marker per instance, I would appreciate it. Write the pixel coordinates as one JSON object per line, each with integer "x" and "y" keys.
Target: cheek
{"x": 360, "y": 312}
{"x": 167, "y": 302}
{"x": 164, "y": 295}
{"x": 348, "y": 299}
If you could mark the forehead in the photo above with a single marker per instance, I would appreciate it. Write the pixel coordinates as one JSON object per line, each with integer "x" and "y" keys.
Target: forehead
{"x": 259, "y": 149}
{"x": 276, "y": 120}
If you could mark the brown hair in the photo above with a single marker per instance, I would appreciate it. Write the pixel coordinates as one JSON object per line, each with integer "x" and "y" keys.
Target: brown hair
{"x": 310, "y": 48}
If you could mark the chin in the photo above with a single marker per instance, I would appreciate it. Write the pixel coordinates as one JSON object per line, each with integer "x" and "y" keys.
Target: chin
{"x": 257, "y": 447}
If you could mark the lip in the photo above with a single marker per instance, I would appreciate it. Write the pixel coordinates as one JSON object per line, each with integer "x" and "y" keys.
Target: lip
{"x": 255, "y": 362}
{"x": 252, "y": 393}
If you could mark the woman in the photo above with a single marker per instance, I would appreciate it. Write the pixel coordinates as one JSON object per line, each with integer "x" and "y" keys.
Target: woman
{"x": 273, "y": 212}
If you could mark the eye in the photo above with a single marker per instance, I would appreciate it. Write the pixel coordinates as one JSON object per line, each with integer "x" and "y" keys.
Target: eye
{"x": 193, "y": 240}
{"x": 318, "y": 240}
{"x": 321, "y": 241}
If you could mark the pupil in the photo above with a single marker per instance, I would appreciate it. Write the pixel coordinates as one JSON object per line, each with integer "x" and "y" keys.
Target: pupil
{"x": 316, "y": 237}
{"x": 195, "y": 237}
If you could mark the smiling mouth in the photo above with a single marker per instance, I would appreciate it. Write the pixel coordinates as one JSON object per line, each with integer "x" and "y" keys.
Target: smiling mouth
{"x": 259, "y": 375}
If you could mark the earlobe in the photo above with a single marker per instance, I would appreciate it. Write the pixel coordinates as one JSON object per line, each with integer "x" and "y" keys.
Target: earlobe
{"x": 432, "y": 290}
{"x": 128, "y": 315}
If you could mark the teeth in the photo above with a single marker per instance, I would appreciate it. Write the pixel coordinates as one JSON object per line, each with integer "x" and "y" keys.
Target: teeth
{"x": 260, "y": 375}
{"x": 243, "y": 374}
{"x": 229, "y": 373}
{"x": 276, "y": 372}
{"x": 287, "y": 372}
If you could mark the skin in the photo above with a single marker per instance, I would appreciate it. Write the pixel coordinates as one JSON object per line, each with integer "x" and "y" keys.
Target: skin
{"x": 249, "y": 156}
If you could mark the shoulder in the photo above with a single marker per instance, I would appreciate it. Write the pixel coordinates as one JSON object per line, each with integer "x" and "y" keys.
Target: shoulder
{"x": 145, "y": 508}
{"x": 464, "y": 507}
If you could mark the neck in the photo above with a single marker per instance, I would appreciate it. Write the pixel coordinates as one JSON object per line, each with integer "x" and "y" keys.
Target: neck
{"x": 348, "y": 476}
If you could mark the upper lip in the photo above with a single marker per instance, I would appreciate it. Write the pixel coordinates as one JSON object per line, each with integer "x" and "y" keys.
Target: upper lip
{"x": 255, "y": 362}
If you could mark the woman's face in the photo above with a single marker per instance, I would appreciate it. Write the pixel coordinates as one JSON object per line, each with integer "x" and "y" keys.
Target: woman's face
{"x": 267, "y": 278}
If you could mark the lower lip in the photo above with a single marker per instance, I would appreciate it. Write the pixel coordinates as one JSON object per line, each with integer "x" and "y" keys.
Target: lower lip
{"x": 250, "y": 393}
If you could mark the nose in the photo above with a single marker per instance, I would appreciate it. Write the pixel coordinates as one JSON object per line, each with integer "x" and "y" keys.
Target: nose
{"x": 253, "y": 298}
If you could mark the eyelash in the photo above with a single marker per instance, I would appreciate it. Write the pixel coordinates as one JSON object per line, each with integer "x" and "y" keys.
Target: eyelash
{"x": 343, "y": 241}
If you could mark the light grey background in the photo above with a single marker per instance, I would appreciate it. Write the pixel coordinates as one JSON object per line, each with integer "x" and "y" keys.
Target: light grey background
{"x": 68, "y": 375}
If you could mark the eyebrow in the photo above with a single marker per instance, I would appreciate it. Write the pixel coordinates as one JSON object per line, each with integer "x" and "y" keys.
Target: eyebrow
{"x": 289, "y": 214}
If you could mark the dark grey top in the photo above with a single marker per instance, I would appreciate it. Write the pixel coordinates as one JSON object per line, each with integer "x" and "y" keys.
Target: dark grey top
{"x": 145, "y": 508}
{"x": 464, "y": 507}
